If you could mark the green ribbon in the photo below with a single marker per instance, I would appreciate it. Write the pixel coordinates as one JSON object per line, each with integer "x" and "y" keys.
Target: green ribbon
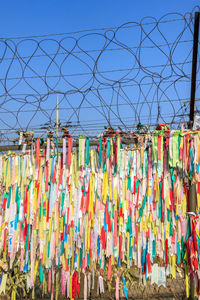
{"x": 171, "y": 224}
{"x": 9, "y": 197}
{"x": 41, "y": 273}
{"x": 178, "y": 253}
{"x": 137, "y": 184}
{"x": 129, "y": 183}
{"x": 17, "y": 200}
{"x": 27, "y": 235}
{"x": 143, "y": 205}
{"x": 48, "y": 249}
{"x": 88, "y": 259}
{"x": 155, "y": 148}
{"x": 62, "y": 201}
{"x": 87, "y": 151}
{"x": 154, "y": 249}
{"x": 81, "y": 256}
{"x": 61, "y": 248}
{"x": 175, "y": 150}
{"x": 108, "y": 147}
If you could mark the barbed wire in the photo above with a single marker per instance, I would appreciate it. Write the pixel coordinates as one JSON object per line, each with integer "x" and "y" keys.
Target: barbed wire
{"x": 138, "y": 72}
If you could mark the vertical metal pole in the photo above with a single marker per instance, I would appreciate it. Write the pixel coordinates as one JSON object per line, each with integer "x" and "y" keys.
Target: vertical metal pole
{"x": 194, "y": 68}
{"x": 192, "y": 187}
{"x": 57, "y": 117}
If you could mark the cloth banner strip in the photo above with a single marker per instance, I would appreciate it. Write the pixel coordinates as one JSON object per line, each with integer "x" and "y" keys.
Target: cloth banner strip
{"x": 86, "y": 208}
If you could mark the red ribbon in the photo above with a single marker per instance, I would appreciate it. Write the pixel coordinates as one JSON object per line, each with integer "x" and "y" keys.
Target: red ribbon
{"x": 4, "y": 202}
{"x": 47, "y": 176}
{"x": 77, "y": 285}
{"x": 73, "y": 285}
{"x": 61, "y": 170}
{"x": 54, "y": 175}
{"x": 148, "y": 263}
{"x": 103, "y": 237}
{"x": 49, "y": 281}
{"x": 25, "y": 202}
{"x": 166, "y": 252}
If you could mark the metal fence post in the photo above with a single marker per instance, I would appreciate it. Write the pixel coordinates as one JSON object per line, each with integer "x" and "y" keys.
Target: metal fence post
{"x": 192, "y": 187}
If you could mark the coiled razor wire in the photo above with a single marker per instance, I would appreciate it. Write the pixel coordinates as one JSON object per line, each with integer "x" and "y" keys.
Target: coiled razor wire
{"x": 137, "y": 73}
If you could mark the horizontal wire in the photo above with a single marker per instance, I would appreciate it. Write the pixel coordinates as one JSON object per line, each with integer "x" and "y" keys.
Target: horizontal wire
{"x": 98, "y": 121}
{"x": 100, "y": 106}
{"x": 15, "y": 57}
{"x": 92, "y": 29}
{"x": 101, "y": 88}
{"x": 91, "y": 73}
{"x": 93, "y": 125}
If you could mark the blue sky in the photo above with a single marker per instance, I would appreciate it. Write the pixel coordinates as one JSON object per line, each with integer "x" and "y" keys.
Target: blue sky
{"x": 27, "y": 18}
{"x": 24, "y": 17}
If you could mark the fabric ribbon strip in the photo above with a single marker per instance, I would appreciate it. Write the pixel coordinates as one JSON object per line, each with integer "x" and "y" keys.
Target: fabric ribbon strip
{"x": 93, "y": 209}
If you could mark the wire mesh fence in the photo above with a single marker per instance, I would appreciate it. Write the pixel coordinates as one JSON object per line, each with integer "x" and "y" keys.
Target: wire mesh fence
{"x": 118, "y": 77}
